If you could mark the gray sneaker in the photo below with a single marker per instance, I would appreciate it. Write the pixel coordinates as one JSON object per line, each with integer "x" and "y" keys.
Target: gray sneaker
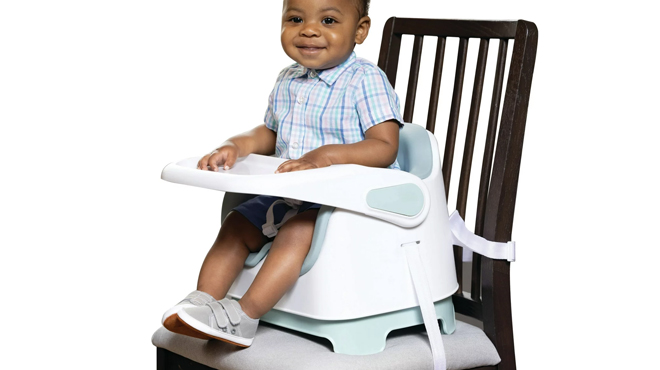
{"x": 223, "y": 320}
{"x": 171, "y": 321}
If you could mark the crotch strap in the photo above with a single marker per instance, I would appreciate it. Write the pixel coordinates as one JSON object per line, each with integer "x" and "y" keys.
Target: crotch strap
{"x": 270, "y": 228}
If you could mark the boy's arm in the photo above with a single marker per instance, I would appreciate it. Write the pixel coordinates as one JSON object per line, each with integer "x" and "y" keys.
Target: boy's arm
{"x": 378, "y": 149}
{"x": 259, "y": 140}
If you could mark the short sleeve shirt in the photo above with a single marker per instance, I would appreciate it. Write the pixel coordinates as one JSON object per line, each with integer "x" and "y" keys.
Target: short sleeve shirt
{"x": 308, "y": 108}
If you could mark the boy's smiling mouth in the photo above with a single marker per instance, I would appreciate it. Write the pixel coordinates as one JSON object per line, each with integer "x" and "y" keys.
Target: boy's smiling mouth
{"x": 309, "y": 49}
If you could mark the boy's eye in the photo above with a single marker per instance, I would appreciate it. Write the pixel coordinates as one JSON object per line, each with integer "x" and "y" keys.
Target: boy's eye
{"x": 328, "y": 21}
{"x": 296, "y": 20}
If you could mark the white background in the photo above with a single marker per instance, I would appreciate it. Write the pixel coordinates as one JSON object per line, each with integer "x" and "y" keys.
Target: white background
{"x": 96, "y": 97}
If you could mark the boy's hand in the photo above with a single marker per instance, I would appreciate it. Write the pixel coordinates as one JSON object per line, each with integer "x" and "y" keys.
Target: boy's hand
{"x": 224, "y": 156}
{"x": 315, "y": 159}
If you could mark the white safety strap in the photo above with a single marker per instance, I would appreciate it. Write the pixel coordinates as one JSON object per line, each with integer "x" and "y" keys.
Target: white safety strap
{"x": 467, "y": 239}
{"x": 269, "y": 228}
{"x": 423, "y": 291}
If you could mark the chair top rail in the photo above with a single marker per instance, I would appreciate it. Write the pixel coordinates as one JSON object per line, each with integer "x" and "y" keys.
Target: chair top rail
{"x": 455, "y": 28}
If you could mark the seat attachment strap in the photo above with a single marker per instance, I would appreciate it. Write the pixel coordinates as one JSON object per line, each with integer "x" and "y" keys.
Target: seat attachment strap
{"x": 467, "y": 239}
{"x": 423, "y": 292}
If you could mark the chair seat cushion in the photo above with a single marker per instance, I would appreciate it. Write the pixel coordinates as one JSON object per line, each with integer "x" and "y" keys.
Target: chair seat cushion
{"x": 276, "y": 348}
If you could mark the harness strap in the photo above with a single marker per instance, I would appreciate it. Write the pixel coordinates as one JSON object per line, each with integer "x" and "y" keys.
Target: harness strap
{"x": 423, "y": 292}
{"x": 269, "y": 228}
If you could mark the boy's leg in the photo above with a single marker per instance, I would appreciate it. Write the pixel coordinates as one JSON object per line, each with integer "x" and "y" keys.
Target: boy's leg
{"x": 236, "y": 239}
{"x": 282, "y": 267}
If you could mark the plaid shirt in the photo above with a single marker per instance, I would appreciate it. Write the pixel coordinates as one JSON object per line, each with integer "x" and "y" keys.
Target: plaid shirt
{"x": 338, "y": 105}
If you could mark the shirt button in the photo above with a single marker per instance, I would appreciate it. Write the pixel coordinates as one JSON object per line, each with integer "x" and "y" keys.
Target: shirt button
{"x": 300, "y": 99}
{"x": 312, "y": 74}
{"x": 294, "y": 145}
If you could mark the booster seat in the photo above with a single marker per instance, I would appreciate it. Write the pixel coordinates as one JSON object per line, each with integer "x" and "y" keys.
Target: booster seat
{"x": 355, "y": 285}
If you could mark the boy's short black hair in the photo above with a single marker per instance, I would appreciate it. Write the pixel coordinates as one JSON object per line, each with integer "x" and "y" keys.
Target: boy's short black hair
{"x": 363, "y": 7}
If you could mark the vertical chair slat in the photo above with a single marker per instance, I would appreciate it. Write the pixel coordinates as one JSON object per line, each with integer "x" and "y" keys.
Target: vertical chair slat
{"x": 491, "y": 132}
{"x": 435, "y": 84}
{"x": 413, "y": 78}
{"x": 388, "y": 60}
{"x": 470, "y": 137}
{"x": 453, "y": 113}
{"x": 487, "y": 163}
{"x": 475, "y": 283}
{"x": 450, "y": 143}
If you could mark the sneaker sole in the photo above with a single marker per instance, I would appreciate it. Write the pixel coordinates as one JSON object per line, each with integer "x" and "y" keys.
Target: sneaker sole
{"x": 202, "y": 329}
{"x": 175, "y": 325}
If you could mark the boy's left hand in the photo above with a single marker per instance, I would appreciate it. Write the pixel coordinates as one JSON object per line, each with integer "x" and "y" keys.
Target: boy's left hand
{"x": 314, "y": 159}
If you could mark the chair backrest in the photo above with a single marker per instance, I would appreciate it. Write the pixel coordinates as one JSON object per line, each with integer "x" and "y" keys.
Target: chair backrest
{"x": 489, "y": 300}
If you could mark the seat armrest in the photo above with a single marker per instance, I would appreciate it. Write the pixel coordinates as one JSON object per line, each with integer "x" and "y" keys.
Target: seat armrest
{"x": 390, "y": 195}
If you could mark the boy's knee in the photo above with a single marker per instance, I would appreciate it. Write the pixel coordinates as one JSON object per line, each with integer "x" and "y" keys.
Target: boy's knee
{"x": 237, "y": 228}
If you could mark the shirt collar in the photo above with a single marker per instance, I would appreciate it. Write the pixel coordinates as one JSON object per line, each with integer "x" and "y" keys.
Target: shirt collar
{"x": 329, "y": 76}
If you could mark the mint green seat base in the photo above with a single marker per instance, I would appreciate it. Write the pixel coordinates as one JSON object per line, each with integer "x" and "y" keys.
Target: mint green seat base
{"x": 363, "y": 336}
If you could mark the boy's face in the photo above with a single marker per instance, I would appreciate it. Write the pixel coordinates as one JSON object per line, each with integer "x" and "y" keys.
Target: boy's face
{"x": 321, "y": 34}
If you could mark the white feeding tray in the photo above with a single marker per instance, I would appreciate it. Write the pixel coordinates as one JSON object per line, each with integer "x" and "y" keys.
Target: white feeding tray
{"x": 346, "y": 186}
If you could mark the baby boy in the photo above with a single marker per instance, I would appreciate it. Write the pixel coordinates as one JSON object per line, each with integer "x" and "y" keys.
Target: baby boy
{"x": 328, "y": 108}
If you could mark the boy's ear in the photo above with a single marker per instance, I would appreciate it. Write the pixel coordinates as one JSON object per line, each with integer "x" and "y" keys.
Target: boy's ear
{"x": 362, "y": 29}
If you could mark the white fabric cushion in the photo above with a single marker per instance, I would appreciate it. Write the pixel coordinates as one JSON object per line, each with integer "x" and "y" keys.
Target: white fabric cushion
{"x": 275, "y": 348}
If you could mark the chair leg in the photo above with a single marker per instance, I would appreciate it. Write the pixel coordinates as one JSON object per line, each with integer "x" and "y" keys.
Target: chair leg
{"x": 166, "y": 360}
{"x": 161, "y": 359}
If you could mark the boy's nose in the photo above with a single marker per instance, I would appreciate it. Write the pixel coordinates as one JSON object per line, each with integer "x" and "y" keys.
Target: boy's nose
{"x": 310, "y": 31}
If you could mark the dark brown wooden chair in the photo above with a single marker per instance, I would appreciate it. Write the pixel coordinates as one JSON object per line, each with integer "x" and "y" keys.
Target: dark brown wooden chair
{"x": 490, "y": 297}
{"x": 484, "y": 294}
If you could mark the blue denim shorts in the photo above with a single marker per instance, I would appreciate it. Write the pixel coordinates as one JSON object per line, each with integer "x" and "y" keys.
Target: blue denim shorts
{"x": 256, "y": 208}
